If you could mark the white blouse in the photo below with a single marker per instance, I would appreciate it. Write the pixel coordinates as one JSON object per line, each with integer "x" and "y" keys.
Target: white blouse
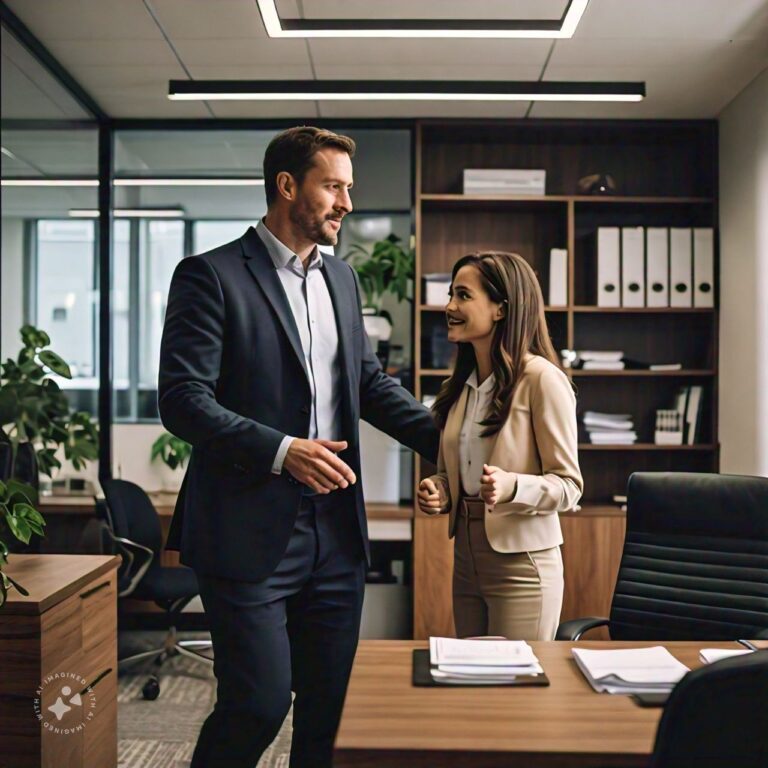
{"x": 474, "y": 450}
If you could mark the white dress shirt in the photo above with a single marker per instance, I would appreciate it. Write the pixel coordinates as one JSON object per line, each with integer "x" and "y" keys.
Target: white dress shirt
{"x": 474, "y": 450}
{"x": 312, "y": 310}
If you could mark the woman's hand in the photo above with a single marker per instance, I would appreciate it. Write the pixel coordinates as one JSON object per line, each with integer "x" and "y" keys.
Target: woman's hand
{"x": 497, "y": 486}
{"x": 432, "y": 499}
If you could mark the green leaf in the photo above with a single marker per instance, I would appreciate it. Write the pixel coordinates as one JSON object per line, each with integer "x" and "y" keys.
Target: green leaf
{"x": 55, "y": 363}
{"x": 33, "y": 337}
{"x": 19, "y": 528}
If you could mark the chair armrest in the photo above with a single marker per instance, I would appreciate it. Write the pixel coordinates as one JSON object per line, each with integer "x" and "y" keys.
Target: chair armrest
{"x": 575, "y": 628}
{"x": 130, "y": 550}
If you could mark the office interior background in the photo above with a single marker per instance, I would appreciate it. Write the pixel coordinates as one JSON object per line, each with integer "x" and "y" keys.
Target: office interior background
{"x": 107, "y": 183}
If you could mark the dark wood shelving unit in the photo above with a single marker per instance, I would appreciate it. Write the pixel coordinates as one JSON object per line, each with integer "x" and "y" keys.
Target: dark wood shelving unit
{"x": 662, "y": 181}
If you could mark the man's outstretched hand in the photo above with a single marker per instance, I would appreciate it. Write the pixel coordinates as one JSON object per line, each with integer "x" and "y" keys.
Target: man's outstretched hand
{"x": 315, "y": 463}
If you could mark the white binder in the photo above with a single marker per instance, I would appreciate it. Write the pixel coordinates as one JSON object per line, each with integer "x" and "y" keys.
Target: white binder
{"x": 703, "y": 267}
{"x": 657, "y": 266}
{"x": 680, "y": 294}
{"x": 608, "y": 267}
{"x": 558, "y": 277}
{"x": 633, "y": 267}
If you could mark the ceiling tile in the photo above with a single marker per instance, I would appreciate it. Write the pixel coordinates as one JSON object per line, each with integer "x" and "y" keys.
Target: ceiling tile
{"x": 242, "y": 51}
{"x": 52, "y": 20}
{"x": 676, "y": 20}
{"x": 206, "y": 20}
{"x": 410, "y": 109}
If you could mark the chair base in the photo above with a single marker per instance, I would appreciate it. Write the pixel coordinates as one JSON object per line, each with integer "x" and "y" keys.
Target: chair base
{"x": 171, "y": 647}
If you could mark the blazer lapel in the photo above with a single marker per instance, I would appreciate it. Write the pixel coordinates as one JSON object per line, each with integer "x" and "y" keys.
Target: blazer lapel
{"x": 261, "y": 267}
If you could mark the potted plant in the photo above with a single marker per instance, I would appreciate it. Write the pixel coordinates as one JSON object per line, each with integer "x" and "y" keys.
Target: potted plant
{"x": 387, "y": 268}
{"x": 174, "y": 454}
{"x": 35, "y": 416}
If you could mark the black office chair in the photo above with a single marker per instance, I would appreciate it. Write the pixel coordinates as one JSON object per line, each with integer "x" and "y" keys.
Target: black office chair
{"x": 134, "y": 528}
{"x": 717, "y": 717}
{"x": 695, "y": 560}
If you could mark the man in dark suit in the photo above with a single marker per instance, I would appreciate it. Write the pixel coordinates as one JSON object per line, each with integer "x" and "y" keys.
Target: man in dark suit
{"x": 266, "y": 370}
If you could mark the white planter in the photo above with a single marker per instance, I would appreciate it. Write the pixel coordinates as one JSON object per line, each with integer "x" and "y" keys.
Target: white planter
{"x": 171, "y": 478}
{"x": 377, "y": 327}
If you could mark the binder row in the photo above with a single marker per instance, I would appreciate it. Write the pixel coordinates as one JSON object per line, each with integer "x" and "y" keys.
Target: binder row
{"x": 655, "y": 267}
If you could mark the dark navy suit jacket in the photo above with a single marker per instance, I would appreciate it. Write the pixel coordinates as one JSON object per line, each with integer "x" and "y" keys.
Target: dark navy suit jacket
{"x": 233, "y": 384}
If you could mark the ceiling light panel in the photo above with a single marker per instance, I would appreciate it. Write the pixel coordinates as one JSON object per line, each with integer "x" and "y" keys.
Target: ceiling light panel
{"x": 422, "y": 28}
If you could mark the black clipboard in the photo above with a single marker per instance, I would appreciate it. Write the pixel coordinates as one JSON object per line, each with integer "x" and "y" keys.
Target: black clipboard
{"x": 422, "y": 676}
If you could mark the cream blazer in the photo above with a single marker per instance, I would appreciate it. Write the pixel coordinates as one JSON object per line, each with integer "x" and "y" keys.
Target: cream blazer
{"x": 538, "y": 442}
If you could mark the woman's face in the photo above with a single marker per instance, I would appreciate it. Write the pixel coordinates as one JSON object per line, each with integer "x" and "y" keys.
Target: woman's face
{"x": 471, "y": 314}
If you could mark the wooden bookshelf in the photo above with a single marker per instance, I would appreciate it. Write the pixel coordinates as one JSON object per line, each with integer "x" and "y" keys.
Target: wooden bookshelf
{"x": 666, "y": 174}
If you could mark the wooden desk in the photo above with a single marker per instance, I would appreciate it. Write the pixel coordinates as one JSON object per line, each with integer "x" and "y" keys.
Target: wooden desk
{"x": 388, "y": 722}
{"x": 63, "y": 634}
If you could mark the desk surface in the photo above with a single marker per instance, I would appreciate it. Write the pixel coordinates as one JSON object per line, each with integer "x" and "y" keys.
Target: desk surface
{"x": 387, "y": 721}
{"x": 50, "y": 579}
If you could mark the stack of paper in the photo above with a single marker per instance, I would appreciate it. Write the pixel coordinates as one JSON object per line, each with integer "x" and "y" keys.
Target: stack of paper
{"x": 631, "y": 670}
{"x": 474, "y": 662}
{"x": 711, "y": 655}
{"x": 602, "y": 360}
{"x": 610, "y": 428}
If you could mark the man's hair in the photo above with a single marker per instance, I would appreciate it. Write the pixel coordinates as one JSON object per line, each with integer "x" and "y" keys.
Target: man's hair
{"x": 293, "y": 151}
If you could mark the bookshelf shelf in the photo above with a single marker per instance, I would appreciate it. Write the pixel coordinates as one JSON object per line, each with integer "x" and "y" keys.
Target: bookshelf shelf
{"x": 635, "y": 373}
{"x": 594, "y": 199}
{"x": 441, "y": 308}
{"x": 584, "y": 309}
{"x": 647, "y": 447}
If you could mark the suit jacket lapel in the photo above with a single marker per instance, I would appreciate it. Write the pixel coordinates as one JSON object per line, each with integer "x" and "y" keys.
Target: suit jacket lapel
{"x": 261, "y": 267}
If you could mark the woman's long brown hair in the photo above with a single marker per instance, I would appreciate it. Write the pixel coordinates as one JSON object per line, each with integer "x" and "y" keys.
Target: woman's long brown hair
{"x": 506, "y": 278}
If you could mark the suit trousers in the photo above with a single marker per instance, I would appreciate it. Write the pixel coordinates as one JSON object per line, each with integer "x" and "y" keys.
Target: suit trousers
{"x": 517, "y": 595}
{"x": 295, "y": 631}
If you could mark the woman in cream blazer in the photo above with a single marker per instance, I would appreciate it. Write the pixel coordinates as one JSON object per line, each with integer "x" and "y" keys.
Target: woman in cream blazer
{"x": 508, "y": 452}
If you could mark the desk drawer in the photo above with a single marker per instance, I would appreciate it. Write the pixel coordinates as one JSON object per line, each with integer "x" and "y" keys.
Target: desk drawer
{"x": 79, "y": 627}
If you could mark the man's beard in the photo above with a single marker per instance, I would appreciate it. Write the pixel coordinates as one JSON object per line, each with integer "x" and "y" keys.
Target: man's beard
{"x": 312, "y": 228}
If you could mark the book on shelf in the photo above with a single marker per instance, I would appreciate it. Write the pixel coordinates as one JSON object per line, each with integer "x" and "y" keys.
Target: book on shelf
{"x": 630, "y": 670}
{"x": 602, "y": 365}
{"x": 604, "y": 355}
{"x": 639, "y": 365}
{"x": 504, "y": 181}
{"x": 693, "y": 413}
{"x": 613, "y": 438}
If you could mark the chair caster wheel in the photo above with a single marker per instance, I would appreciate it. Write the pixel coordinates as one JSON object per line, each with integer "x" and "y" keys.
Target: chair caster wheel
{"x": 151, "y": 689}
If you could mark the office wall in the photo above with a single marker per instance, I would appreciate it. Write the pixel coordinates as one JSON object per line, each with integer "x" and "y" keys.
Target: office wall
{"x": 744, "y": 281}
{"x": 11, "y": 286}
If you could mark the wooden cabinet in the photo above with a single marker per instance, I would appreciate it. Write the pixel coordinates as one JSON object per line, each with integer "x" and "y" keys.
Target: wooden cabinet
{"x": 666, "y": 176}
{"x": 58, "y": 656}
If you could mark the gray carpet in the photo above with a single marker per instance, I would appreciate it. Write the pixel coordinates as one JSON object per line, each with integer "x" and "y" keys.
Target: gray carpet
{"x": 162, "y": 733}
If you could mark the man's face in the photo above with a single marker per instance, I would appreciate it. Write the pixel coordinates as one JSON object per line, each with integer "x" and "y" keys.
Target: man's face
{"x": 322, "y": 199}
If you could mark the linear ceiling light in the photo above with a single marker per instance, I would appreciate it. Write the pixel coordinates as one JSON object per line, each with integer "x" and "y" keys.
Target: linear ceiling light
{"x": 189, "y": 182}
{"x": 497, "y": 28}
{"x": 135, "y": 182}
{"x": 129, "y": 213}
{"x": 49, "y": 182}
{"x": 401, "y": 90}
